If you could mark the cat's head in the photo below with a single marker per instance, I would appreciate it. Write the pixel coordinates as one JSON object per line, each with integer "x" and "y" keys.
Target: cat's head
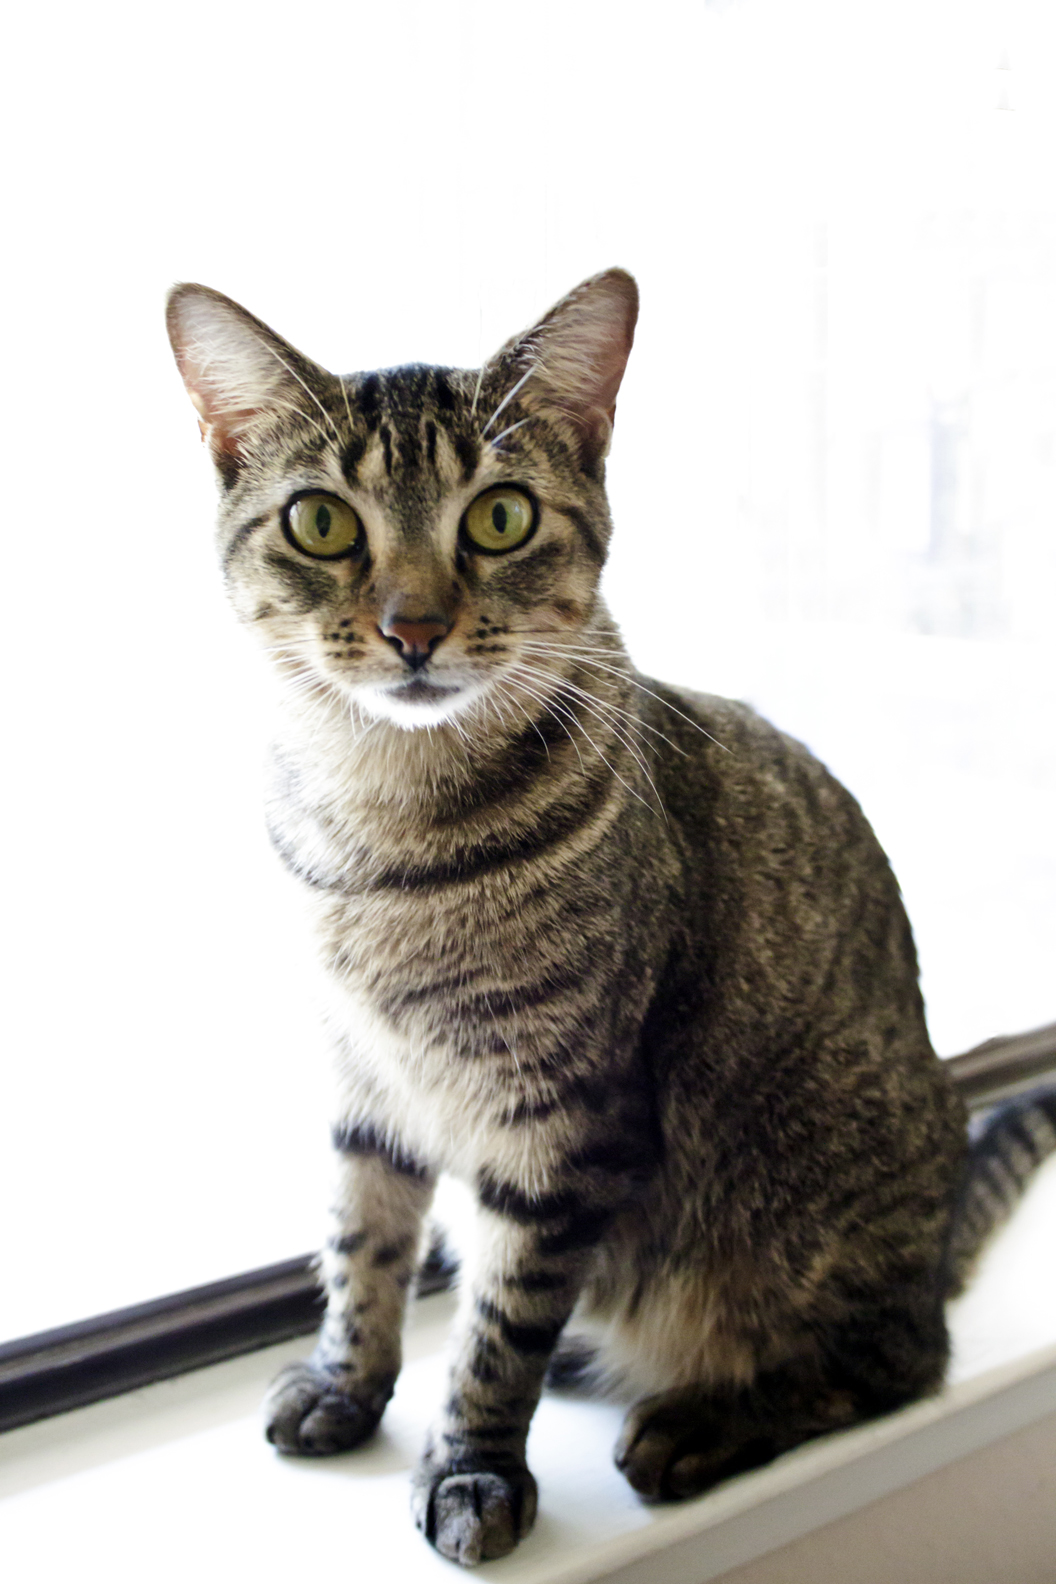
{"x": 411, "y": 537}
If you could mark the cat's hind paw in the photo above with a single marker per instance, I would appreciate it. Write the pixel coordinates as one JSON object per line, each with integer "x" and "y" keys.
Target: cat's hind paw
{"x": 473, "y": 1516}
{"x": 679, "y": 1443}
{"x": 307, "y": 1413}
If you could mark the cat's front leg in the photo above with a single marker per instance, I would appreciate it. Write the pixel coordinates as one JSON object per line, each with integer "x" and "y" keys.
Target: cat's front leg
{"x": 335, "y": 1399}
{"x": 473, "y": 1495}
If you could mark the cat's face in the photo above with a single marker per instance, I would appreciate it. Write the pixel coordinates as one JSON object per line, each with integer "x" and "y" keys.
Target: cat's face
{"x": 418, "y": 538}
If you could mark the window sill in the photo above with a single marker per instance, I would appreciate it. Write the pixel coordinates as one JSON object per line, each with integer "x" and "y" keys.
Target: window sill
{"x": 176, "y": 1480}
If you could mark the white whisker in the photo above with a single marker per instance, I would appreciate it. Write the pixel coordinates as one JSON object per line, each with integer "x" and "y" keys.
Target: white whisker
{"x": 548, "y": 708}
{"x": 587, "y": 659}
{"x": 510, "y": 394}
{"x": 344, "y": 393}
{"x": 290, "y": 407}
{"x": 498, "y": 689}
{"x": 476, "y": 392}
{"x": 500, "y": 438}
{"x": 635, "y": 722}
{"x": 611, "y": 716}
{"x": 584, "y": 654}
{"x": 614, "y": 728}
{"x": 305, "y": 387}
{"x": 553, "y": 705}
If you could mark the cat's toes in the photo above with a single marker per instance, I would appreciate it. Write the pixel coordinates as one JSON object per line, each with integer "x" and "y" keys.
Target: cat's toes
{"x": 676, "y": 1445}
{"x": 306, "y": 1412}
{"x": 473, "y": 1516}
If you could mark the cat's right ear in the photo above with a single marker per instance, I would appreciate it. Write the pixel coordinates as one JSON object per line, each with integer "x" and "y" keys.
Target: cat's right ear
{"x": 236, "y": 370}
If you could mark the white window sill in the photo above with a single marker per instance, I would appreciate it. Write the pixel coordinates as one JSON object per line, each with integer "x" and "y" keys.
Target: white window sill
{"x": 174, "y": 1482}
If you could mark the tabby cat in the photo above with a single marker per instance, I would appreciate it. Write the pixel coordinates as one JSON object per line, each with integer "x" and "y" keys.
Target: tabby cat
{"x": 625, "y": 959}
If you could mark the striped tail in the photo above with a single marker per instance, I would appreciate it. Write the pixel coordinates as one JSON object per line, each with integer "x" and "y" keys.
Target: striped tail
{"x": 1007, "y": 1145}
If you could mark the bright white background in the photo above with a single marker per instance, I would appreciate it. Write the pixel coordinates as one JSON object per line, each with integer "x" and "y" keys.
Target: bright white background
{"x": 834, "y": 483}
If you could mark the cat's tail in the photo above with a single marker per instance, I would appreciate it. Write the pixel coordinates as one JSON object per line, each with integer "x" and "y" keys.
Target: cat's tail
{"x": 1007, "y": 1144}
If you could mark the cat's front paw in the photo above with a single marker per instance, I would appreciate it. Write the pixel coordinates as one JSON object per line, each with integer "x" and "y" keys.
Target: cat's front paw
{"x": 473, "y": 1515}
{"x": 306, "y": 1411}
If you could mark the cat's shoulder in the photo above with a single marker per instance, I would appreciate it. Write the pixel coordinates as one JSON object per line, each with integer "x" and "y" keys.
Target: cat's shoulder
{"x": 725, "y": 732}
{"x": 721, "y": 750}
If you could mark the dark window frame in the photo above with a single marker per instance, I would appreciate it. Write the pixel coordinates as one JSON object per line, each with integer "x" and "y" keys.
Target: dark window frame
{"x": 53, "y": 1371}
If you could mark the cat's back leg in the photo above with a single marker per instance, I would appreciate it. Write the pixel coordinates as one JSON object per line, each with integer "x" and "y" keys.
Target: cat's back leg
{"x": 802, "y": 1286}
{"x": 889, "y": 1350}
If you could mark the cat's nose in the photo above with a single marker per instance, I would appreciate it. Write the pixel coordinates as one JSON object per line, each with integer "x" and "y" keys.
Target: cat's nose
{"x": 414, "y": 638}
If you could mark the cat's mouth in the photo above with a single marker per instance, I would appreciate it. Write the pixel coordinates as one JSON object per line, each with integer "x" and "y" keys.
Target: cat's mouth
{"x": 421, "y": 690}
{"x": 418, "y": 701}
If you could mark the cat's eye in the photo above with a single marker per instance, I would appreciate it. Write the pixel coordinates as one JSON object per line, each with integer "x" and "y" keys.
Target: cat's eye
{"x": 500, "y": 519}
{"x": 323, "y": 526}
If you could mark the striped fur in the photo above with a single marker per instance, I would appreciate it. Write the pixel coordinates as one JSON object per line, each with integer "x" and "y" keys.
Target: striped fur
{"x": 626, "y": 960}
{"x": 1008, "y": 1144}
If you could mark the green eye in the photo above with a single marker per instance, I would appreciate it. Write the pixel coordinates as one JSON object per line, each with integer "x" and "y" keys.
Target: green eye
{"x": 322, "y": 526}
{"x": 500, "y": 519}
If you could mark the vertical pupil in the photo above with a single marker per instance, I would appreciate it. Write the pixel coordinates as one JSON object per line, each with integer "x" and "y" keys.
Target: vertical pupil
{"x": 498, "y": 517}
{"x": 322, "y": 521}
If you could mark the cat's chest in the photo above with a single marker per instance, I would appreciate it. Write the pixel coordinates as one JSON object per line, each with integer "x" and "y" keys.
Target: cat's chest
{"x": 452, "y": 937}
{"x": 449, "y": 1109}
{"x": 475, "y": 970}
{"x": 461, "y": 1007}
{"x": 484, "y": 970}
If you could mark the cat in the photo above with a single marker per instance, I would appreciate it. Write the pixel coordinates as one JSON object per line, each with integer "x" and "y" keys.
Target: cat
{"x": 625, "y": 959}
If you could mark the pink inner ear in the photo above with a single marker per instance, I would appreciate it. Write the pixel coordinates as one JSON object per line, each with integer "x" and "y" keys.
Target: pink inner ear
{"x": 224, "y": 358}
{"x": 222, "y": 427}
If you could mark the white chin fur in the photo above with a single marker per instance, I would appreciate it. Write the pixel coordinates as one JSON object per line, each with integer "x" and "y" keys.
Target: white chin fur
{"x": 411, "y": 715}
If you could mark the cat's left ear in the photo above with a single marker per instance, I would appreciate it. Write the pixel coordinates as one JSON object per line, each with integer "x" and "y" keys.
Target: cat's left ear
{"x": 572, "y": 361}
{"x": 239, "y": 374}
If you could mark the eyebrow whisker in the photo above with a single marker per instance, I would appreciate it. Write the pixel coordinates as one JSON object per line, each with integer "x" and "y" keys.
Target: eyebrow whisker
{"x": 510, "y": 394}
{"x": 500, "y": 438}
{"x": 304, "y": 386}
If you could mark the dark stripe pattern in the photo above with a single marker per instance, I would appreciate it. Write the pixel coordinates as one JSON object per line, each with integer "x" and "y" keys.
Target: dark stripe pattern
{"x": 361, "y": 1138}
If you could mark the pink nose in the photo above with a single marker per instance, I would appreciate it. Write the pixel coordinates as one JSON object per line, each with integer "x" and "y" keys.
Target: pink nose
{"x": 414, "y": 640}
